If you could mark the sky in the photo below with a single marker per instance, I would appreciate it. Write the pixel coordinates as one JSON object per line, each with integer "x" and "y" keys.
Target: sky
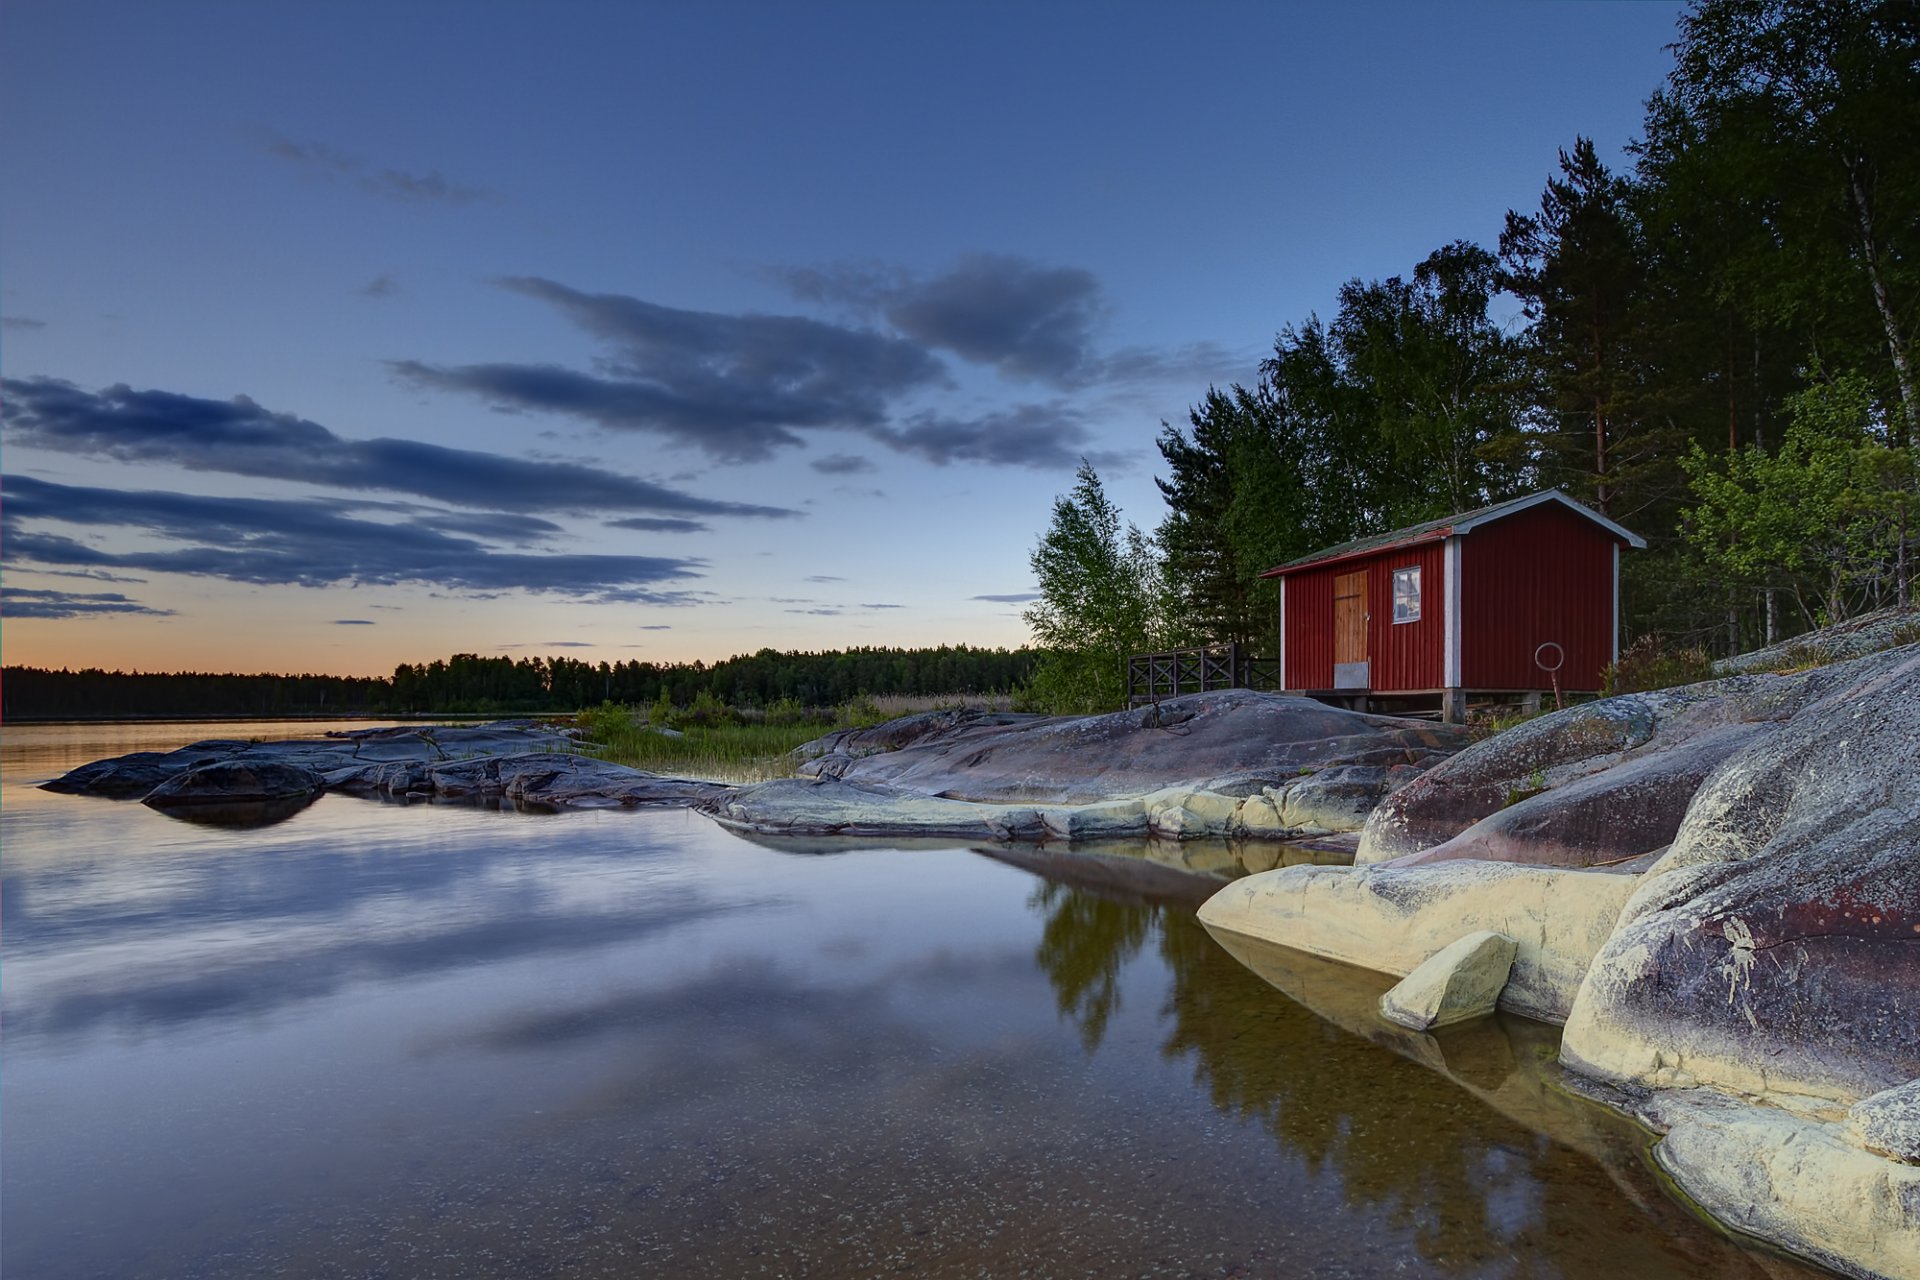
{"x": 338, "y": 336}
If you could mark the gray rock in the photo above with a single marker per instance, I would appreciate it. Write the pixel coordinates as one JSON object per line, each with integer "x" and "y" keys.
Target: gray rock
{"x": 1235, "y": 763}
{"x": 550, "y": 779}
{"x": 236, "y": 782}
{"x": 1458, "y": 983}
{"x": 1775, "y": 948}
{"x": 1888, "y": 1123}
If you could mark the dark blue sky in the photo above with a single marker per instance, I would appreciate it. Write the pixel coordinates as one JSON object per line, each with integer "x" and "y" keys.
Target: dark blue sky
{"x": 678, "y": 330}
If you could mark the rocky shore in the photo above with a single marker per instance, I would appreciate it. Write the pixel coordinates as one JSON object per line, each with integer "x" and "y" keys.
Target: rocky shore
{"x": 228, "y": 780}
{"x": 1715, "y": 889}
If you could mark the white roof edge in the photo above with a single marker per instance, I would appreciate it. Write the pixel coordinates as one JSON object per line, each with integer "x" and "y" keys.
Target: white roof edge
{"x": 1631, "y": 538}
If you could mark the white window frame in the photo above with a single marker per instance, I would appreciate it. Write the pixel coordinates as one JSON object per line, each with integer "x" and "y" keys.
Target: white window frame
{"x": 1410, "y": 573}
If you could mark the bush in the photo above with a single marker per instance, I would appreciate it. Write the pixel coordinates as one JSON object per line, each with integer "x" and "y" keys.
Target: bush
{"x": 1648, "y": 664}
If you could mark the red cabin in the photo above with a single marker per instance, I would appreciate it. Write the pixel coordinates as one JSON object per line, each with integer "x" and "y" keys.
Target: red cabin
{"x": 1491, "y": 603}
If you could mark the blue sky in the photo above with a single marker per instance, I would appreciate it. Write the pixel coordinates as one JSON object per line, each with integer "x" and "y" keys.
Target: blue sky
{"x": 341, "y": 335}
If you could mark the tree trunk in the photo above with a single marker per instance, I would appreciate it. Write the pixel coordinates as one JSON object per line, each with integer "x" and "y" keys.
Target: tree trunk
{"x": 1897, "y": 349}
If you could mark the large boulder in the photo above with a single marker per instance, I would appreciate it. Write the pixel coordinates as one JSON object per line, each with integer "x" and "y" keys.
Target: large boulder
{"x": 1597, "y": 783}
{"x": 1458, "y": 983}
{"x": 1235, "y": 763}
{"x": 1775, "y": 948}
{"x": 236, "y": 782}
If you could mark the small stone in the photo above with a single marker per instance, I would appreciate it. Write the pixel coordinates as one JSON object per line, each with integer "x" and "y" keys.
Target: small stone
{"x": 1459, "y": 982}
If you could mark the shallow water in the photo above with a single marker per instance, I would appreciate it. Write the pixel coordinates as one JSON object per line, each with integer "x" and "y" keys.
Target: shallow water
{"x": 434, "y": 1040}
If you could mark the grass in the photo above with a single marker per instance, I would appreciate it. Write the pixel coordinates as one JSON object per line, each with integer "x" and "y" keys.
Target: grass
{"x": 734, "y": 744}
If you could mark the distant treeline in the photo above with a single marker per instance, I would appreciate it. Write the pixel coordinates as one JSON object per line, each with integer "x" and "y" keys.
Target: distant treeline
{"x": 469, "y": 683}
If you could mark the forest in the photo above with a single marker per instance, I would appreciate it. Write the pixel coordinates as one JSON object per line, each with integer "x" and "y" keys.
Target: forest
{"x": 475, "y": 684}
{"x": 1712, "y": 345}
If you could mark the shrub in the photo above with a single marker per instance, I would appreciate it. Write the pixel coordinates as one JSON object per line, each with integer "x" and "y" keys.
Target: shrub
{"x": 1648, "y": 664}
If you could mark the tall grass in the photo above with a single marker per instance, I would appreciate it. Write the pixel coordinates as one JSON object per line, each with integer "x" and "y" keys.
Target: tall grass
{"x": 726, "y": 744}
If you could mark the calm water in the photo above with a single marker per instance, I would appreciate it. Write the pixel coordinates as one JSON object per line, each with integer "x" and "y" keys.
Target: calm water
{"x": 386, "y": 1040}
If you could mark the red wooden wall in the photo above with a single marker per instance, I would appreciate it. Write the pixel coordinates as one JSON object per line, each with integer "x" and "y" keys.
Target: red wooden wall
{"x": 1408, "y": 656}
{"x": 1543, "y": 574}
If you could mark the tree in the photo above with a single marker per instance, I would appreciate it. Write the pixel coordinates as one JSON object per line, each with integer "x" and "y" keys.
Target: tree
{"x": 1098, "y": 601}
{"x": 1819, "y": 518}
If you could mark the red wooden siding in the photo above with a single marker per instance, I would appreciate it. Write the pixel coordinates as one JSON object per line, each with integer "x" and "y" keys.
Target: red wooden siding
{"x": 1543, "y": 574}
{"x": 1310, "y": 627}
{"x": 1408, "y": 655}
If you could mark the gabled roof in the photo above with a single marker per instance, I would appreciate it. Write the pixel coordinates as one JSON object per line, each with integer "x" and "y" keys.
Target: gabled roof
{"x": 1449, "y": 526}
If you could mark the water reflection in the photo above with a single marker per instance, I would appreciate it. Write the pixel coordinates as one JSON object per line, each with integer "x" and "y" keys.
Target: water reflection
{"x": 446, "y": 1040}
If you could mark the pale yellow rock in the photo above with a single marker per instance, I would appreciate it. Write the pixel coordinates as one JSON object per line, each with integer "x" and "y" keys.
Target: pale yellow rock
{"x": 1391, "y": 919}
{"x": 1258, "y": 817}
{"x": 1184, "y": 814}
{"x": 1796, "y": 1181}
{"x": 1458, "y": 983}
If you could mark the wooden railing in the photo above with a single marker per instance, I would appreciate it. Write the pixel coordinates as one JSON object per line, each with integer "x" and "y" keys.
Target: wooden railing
{"x": 1152, "y": 676}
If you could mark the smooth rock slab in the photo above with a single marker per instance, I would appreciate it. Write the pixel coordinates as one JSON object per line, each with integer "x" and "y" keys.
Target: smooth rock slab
{"x": 552, "y": 779}
{"x": 1391, "y": 920}
{"x": 1458, "y": 983}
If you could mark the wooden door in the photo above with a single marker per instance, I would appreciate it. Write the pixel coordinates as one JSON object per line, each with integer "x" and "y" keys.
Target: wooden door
{"x": 1350, "y": 617}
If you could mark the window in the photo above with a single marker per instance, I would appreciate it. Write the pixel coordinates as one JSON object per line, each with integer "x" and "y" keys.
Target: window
{"x": 1406, "y": 594}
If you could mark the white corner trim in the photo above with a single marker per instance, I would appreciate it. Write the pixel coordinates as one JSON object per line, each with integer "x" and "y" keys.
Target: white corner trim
{"x": 1616, "y": 603}
{"x": 1451, "y": 662}
{"x": 1553, "y": 495}
{"x": 1283, "y": 633}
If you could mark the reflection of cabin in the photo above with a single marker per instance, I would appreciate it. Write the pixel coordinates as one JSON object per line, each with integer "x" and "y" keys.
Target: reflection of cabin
{"x": 1490, "y": 604}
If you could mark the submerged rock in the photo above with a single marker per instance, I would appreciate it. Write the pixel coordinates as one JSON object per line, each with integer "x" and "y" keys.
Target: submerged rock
{"x": 1235, "y": 763}
{"x": 1458, "y": 983}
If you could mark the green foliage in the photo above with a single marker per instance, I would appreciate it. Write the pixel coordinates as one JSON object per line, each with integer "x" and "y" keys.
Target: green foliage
{"x": 1649, "y": 664}
{"x": 1099, "y": 601}
{"x": 1820, "y": 517}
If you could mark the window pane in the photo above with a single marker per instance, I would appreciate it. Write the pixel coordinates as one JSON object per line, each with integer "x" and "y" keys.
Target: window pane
{"x": 1406, "y": 595}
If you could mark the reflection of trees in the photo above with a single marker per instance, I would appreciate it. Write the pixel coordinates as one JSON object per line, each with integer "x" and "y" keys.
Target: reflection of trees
{"x": 1476, "y": 1190}
{"x": 1086, "y": 940}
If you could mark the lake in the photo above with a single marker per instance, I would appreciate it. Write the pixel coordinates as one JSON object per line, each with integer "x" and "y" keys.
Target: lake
{"x": 435, "y": 1040}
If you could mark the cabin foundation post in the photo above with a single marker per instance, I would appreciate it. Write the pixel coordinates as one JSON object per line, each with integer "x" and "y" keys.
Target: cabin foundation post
{"x": 1453, "y": 706}
{"x": 1530, "y": 704}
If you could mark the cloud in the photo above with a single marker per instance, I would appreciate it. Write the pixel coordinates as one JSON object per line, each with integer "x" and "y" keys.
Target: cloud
{"x": 242, "y": 437}
{"x": 309, "y": 543}
{"x": 734, "y": 386}
{"x": 823, "y": 577}
{"x": 658, "y": 626}
{"x": 820, "y": 613}
{"x": 28, "y": 602}
{"x": 1045, "y": 437}
{"x": 883, "y": 606}
{"x": 655, "y": 524}
{"x": 570, "y": 644}
{"x": 21, "y": 324}
{"x": 332, "y": 164}
{"x": 1010, "y": 597}
{"x": 353, "y": 622}
{"x": 840, "y": 464}
{"x": 381, "y": 286}
{"x": 1028, "y": 321}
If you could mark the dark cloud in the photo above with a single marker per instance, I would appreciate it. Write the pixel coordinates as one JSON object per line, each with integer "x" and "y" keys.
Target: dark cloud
{"x": 820, "y": 613}
{"x": 658, "y": 626}
{"x": 569, "y": 644}
{"x": 353, "y": 622}
{"x": 310, "y": 543}
{"x": 823, "y": 577}
{"x": 21, "y": 324}
{"x": 840, "y": 464}
{"x": 735, "y": 386}
{"x": 1011, "y": 597}
{"x": 381, "y": 286}
{"x": 28, "y": 602}
{"x": 242, "y": 437}
{"x": 655, "y": 524}
{"x": 1046, "y": 437}
{"x": 334, "y": 164}
{"x": 1029, "y": 321}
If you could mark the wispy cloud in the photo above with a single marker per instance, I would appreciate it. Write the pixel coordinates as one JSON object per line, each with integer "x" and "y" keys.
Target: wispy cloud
{"x": 1011, "y": 597}
{"x": 381, "y": 286}
{"x": 242, "y": 437}
{"x": 841, "y": 464}
{"x": 29, "y": 602}
{"x": 657, "y": 524}
{"x": 21, "y": 324}
{"x": 353, "y": 622}
{"x": 309, "y": 543}
{"x": 408, "y": 186}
